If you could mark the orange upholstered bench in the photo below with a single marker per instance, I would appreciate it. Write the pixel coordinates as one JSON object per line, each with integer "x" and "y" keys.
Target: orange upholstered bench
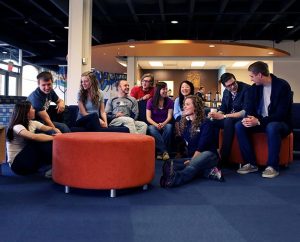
{"x": 259, "y": 141}
{"x": 103, "y": 160}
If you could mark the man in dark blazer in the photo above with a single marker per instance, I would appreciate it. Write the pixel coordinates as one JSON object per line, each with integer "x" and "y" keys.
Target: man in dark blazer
{"x": 268, "y": 110}
{"x": 232, "y": 109}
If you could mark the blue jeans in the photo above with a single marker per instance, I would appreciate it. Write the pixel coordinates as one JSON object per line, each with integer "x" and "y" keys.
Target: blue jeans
{"x": 227, "y": 125}
{"x": 62, "y": 127}
{"x": 162, "y": 137}
{"x": 90, "y": 122}
{"x": 201, "y": 164}
{"x": 275, "y": 131}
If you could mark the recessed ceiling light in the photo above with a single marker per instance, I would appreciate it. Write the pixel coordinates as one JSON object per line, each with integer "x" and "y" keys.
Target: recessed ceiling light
{"x": 211, "y": 46}
{"x": 271, "y": 53}
{"x": 131, "y": 46}
{"x": 52, "y": 40}
{"x": 240, "y": 63}
{"x": 155, "y": 63}
{"x": 66, "y": 27}
{"x": 290, "y": 27}
{"x": 174, "y": 22}
{"x": 198, "y": 63}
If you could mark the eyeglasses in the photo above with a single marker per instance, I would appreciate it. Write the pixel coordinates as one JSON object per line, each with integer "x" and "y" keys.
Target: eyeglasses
{"x": 231, "y": 85}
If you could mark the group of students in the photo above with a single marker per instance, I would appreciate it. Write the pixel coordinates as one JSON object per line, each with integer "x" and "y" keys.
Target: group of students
{"x": 263, "y": 107}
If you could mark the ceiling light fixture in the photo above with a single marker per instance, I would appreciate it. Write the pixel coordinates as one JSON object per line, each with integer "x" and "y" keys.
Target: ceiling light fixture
{"x": 4, "y": 52}
{"x": 174, "y": 22}
{"x": 155, "y": 63}
{"x": 131, "y": 46}
{"x": 197, "y": 63}
{"x": 211, "y": 46}
{"x": 51, "y": 40}
{"x": 240, "y": 63}
{"x": 290, "y": 26}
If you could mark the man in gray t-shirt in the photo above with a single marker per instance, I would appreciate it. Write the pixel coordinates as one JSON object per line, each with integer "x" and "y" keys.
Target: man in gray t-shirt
{"x": 123, "y": 110}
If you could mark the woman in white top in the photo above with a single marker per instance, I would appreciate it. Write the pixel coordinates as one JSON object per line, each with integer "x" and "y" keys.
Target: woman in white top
{"x": 91, "y": 116}
{"x": 186, "y": 88}
{"x": 27, "y": 151}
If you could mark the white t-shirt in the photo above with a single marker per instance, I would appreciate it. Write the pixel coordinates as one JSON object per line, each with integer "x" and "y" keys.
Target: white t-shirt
{"x": 267, "y": 100}
{"x": 18, "y": 143}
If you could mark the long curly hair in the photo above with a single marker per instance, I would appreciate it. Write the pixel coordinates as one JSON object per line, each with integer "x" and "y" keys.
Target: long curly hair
{"x": 19, "y": 116}
{"x": 199, "y": 115}
{"x": 93, "y": 90}
{"x": 181, "y": 97}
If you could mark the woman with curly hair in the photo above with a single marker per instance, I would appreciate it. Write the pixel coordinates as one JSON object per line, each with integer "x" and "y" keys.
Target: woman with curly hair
{"x": 198, "y": 134}
{"x": 91, "y": 115}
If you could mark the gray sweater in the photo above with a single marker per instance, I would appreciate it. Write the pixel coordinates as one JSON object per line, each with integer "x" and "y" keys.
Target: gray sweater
{"x": 127, "y": 105}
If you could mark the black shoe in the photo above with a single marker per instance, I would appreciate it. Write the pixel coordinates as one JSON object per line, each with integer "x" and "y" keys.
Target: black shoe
{"x": 216, "y": 174}
{"x": 167, "y": 179}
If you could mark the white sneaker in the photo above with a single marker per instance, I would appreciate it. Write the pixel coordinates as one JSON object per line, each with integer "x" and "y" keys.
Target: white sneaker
{"x": 248, "y": 168}
{"x": 270, "y": 172}
{"x": 48, "y": 174}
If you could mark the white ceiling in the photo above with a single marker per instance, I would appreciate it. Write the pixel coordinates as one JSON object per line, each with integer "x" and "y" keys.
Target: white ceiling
{"x": 185, "y": 64}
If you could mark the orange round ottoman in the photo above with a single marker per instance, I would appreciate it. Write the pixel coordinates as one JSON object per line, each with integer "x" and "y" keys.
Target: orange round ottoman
{"x": 95, "y": 160}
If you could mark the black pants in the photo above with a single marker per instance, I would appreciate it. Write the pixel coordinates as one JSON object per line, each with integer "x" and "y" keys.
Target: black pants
{"x": 90, "y": 122}
{"x": 32, "y": 157}
{"x": 227, "y": 125}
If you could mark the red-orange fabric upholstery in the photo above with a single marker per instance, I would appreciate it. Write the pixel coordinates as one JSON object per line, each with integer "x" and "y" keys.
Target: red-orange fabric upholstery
{"x": 103, "y": 160}
{"x": 259, "y": 141}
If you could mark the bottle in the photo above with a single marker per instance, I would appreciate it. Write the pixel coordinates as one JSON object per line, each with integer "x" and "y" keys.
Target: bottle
{"x": 217, "y": 96}
{"x": 208, "y": 96}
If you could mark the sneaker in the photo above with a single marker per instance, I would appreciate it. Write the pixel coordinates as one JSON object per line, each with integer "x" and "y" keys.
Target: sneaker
{"x": 159, "y": 157}
{"x": 248, "y": 168}
{"x": 165, "y": 156}
{"x": 167, "y": 179}
{"x": 216, "y": 174}
{"x": 270, "y": 172}
{"x": 48, "y": 174}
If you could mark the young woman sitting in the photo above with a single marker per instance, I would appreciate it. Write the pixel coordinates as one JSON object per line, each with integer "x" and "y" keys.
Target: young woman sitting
{"x": 159, "y": 115}
{"x": 91, "y": 116}
{"x": 27, "y": 151}
{"x": 202, "y": 157}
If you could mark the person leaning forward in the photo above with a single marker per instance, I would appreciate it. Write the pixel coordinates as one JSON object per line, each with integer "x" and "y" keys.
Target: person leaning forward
{"x": 41, "y": 98}
{"x": 231, "y": 111}
{"x": 268, "y": 110}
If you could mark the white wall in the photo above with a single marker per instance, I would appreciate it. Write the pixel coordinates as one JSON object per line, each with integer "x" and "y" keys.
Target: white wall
{"x": 285, "y": 67}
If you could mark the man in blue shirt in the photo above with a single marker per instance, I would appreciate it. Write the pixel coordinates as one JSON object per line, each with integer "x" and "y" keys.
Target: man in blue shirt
{"x": 231, "y": 111}
{"x": 41, "y": 98}
{"x": 268, "y": 110}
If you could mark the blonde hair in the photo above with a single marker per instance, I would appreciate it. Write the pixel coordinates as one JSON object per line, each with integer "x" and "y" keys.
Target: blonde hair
{"x": 94, "y": 89}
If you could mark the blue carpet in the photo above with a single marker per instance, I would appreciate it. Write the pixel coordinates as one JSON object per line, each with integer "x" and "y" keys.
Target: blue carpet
{"x": 244, "y": 208}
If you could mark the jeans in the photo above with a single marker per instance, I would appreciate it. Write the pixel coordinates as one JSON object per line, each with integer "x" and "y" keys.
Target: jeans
{"x": 162, "y": 137}
{"x": 227, "y": 125}
{"x": 32, "y": 157}
{"x": 201, "y": 164}
{"x": 90, "y": 122}
{"x": 135, "y": 127}
{"x": 62, "y": 127}
{"x": 275, "y": 131}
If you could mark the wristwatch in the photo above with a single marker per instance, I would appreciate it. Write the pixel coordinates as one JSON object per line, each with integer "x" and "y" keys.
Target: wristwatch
{"x": 225, "y": 116}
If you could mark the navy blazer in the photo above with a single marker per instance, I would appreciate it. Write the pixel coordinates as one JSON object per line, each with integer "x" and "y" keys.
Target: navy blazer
{"x": 239, "y": 102}
{"x": 280, "y": 108}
